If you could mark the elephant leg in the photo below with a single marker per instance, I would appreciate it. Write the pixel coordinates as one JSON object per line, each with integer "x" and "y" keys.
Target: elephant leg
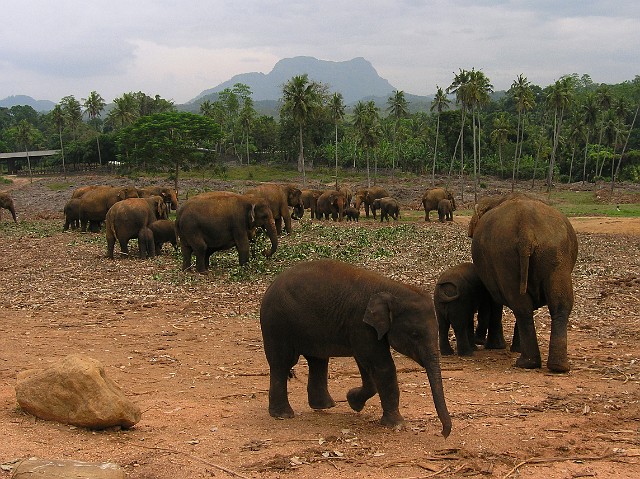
{"x": 186, "y": 255}
{"x": 279, "y": 368}
{"x": 386, "y": 380}
{"x": 443, "y": 337}
{"x": 558, "y": 361}
{"x": 317, "y": 386}
{"x": 111, "y": 243}
{"x": 358, "y": 397}
{"x": 278, "y": 222}
{"x": 83, "y": 225}
{"x": 124, "y": 246}
{"x": 495, "y": 338}
{"x": 530, "y": 354}
{"x": 515, "y": 340}
{"x": 287, "y": 221}
{"x": 464, "y": 335}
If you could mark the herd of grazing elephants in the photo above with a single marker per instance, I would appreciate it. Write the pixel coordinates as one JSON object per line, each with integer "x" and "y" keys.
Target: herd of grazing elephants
{"x": 523, "y": 253}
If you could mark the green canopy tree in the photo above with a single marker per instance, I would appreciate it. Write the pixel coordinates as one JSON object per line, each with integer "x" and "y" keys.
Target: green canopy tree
{"x": 440, "y": 102}
{"x": 57, "y": 115}
{"x": 25, "y": 133}
{"x": 170, "y": 138}
{"x": 366, "y": 122}
{"x": 124, "y": 112}
{"x": 523, "y": 97}
{"x": 336, "y": 108}
{"x": 94, "y": 105}
{"x": 73, "y": 114}
{"x": 559, "y": 99}
{"x": 301, "y": 99}
{"x": 500, "y": 135}
{"x": 397, "y": 108}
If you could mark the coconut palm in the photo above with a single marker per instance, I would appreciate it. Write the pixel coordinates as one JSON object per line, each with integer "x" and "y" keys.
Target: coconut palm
{"x": 397, "y": 109}
{"x": 590, "y": 118}
{"x": 500, "y": 134}
{"x": 636, "y": 94}
{"x": 523, "y": 97}
{"x": 124, "y": 111}
{"x": 93, "y": 106}
{"x": 247, "y": 118}
{"x": 604, "y": 100}
{"x": 57, "y": 116}
{"x": 73, "y": 113}
{"x": 25, "y": 134}
{"x": 336, "y": 109}
{"x": 366, "y": 122}
{"x": 478, "y": 91}
{"x": 301, "y": 98}
{"x": 460, "y": 88}
{"x": 440, "y": 102}
{"x": 559, "y": 99}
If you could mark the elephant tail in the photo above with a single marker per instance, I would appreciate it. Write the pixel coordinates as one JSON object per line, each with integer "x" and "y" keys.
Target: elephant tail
{"x": 525, "y": 254}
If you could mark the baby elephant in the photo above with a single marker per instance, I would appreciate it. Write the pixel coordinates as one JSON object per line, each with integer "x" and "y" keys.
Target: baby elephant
{"x": 388, "y": 206}
{"x": 145, "y": 243}
{"x": 445, "y": 210}
{"x": 368, "y": 314}
{"x": 164, "y": 231}
{"x": 458, "y": 295}
{"x": 352, "y": 214}
{"x": 6, "y": 202}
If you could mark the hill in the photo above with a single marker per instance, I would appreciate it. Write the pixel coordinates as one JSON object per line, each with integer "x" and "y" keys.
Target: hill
{"x": 37, "y": 105}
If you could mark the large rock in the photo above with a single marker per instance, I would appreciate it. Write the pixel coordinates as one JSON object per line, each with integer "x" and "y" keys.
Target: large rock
{"x": 34, "y": 468}
{"x": 75, "y": 391}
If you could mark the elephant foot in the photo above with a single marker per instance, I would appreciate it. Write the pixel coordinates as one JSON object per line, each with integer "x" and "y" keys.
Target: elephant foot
{"x": 515, "y": 348}
{"x": 392, "y": 419}
{"x": 558, "y": 366}
{"x": 446, "y": 349}
{"x": 322, "y": 403}
{"x": 528, "y": 363}
{"x": 355, "y": 399}
{"x": 495, "y": 344}
{"x": 281, "y": 413}
{"x": 465, "y": 352}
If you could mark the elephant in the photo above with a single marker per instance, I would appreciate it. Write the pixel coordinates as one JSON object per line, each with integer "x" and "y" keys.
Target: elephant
{"x": 309, "y": 200}
{"x": 348, "y": 194}
{"x": 164, "y": 231}
{"x": 72, "y": 214}
{"x": 280, "y": 198}
{"x": 220, "y": 220}
{"x": 6, "y": 202}
{"x": 368, "y": 314}
{"x": 524, "y": 252}
{"x": 457, "y": 296}
{"x": 95, "y": 203}
{"x": 367, "y": 196}
{"x": 126, "y": 218}
{"x": 146, "y": 243}
{"x": 388, "y": 206}
{"x": 80, "y": 191}
{"x": 432, "y": 197}
{"x": 445, "y": 210}
{"x": 331, "y": 203}
{"x": 169, "y": 195}
{"x": 352, "y": 214}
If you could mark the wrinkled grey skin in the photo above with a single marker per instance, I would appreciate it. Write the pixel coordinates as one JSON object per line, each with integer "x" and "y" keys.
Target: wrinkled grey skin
{"x": 368, "y": 314}
{"x": 432, "y": 197}
{"x": 445, "y": 210}
{"x": 524, "y": 252}
{"x": 366, "y": 197}
{"x": 352, "y": 214}
{"x": 388, "y": 206}
{"x": 6, "y": 202}
{"x": 458, "y": 295}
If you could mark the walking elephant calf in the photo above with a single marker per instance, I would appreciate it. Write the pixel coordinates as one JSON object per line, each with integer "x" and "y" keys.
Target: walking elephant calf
{"x": 164, "y": 231}
{"x": 368, "y": 313}
{"x": 431, "y": 199}
{"x": 388, "y": 206}
{"x": 6, "y": 202}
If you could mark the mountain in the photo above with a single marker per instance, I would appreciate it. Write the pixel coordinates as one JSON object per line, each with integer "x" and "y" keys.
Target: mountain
{"x": 355, "y": 79}
{"x": 37, "y": 105}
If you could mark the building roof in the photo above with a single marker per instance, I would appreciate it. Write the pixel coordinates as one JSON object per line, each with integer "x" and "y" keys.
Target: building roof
{"x": 23, "y": 154}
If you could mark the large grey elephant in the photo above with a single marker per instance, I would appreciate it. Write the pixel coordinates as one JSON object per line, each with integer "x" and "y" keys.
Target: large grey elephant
{"x": 169, "y": 195}
{"x": 6, "y": 202}
{"x": 524, "y": 252}
{"x": 96, "y": 201}
{"x": 367, "y": 314}
{"x": 366, "y": 197}
{"x": 331, "y": 203}
{"x": 220, "y": 220}
{"x": 280, "y": 198}
{"x": 125, "y": 220}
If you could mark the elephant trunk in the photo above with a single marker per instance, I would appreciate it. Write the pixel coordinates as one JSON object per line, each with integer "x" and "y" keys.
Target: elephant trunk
{"x": 270, "y": 228}
{"x": 432, "y": 365}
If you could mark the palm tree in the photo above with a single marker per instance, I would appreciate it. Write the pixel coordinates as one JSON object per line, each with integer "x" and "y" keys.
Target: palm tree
{"x": 559, "y": 98}
{"x": 636, "y": 94}
{"x": 605, "y": 100}
{"x": 301, "y": 99}
{"x": 25, "y": 134}
{"x": 523, "y": 97}
{"x": 247, "y": 118}
{"x": 336, "y": 108}
{"x": 366, "y": 122}
{"x": 58, "y": 119}
{"x": 460, "y": 87}
{"x": 440, "y": 102}
{"x": 93, "y": 106}
{"x": 478, "y": 95}
{"x": 73, "y": 113}
{"x": 576, "y": 135}
{"x": 397, "y": 109}
{"x": 500, "y": 134}
{"x": 590, "y": 118}
{"x": 124, "y": 112}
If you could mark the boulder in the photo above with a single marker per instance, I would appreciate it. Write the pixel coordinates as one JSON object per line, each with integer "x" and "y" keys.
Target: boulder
{"x": 76, "y": 391}
{"x": 34, "y": 468}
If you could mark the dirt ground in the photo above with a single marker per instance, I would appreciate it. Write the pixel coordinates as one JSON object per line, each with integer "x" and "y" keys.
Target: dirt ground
{"x": 187, "y": 348}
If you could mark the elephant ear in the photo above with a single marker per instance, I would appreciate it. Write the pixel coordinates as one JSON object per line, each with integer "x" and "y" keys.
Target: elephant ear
{"x": 251, "y": 215}
{"x": 447, "y": 292}
{"x": 378, "y": 313}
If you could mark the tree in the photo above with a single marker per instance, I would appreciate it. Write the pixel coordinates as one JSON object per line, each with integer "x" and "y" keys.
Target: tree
{"x": 478, "y": 92}
{"x": 440, "y": 102}
{"x": 336, "y": 109}
{"x": 460, "y": 87}
{"x": 301, "y": 99}
{"x": 524, "y": 100}
{"x": 73, "y": 113}
{"x": 171, "y": 138}
{"x": 559, "y": 99}
{"x": 589, "y": 118}
{"x": 500, "y": 135}
{"x": 366, "y": 122}
{"x": 124, "y": 112}
{"x": 247, "y": 117}
{"x": 397, "y": 109}
{"x": 25, "y": 134}
{"x": 93, "y": 106}
{"x": 57, "y": 116}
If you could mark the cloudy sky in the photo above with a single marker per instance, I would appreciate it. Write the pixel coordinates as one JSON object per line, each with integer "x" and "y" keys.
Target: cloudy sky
{"x": 49, "y": 49}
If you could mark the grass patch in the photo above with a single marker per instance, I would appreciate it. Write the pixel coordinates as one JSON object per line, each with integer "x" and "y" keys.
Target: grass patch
{"x": 5, "y": 181}
{"x": 29, "y": 229}
{"x": 59, "y": 186}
